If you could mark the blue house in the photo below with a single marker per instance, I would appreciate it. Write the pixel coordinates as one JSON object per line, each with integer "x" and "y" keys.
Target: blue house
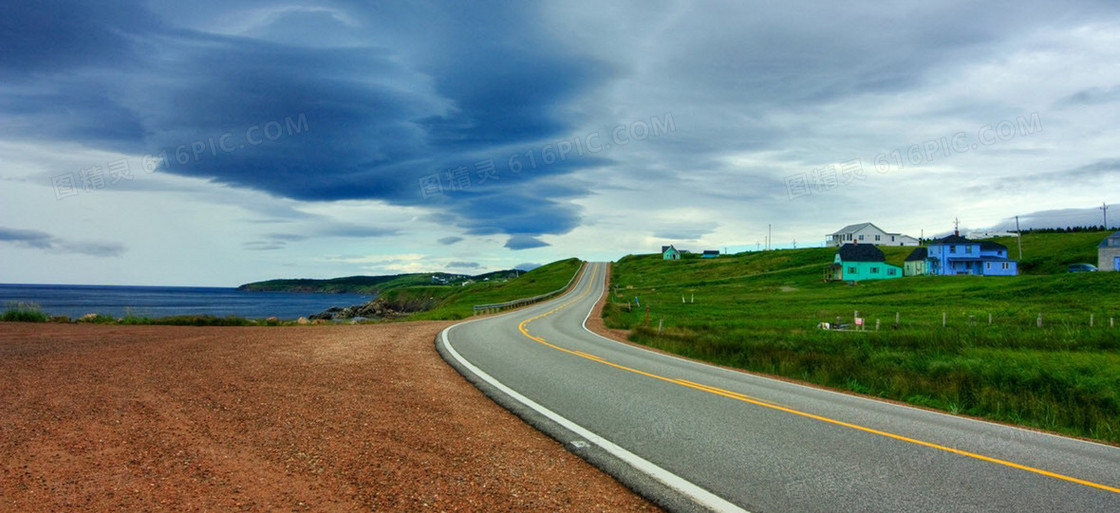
{"x": 958, "y": 255}
{"x": 710, "y": 253}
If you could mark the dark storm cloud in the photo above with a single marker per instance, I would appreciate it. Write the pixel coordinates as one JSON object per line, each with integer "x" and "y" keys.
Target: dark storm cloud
{"x": 45, "y": 241}
{"x": 366, "y": 120}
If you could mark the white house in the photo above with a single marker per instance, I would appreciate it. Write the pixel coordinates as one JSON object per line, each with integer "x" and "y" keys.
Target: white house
{"x": 867, "y": 233}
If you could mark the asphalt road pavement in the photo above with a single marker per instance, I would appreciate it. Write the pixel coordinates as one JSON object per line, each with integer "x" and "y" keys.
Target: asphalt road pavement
{"x": 694, "y": 437}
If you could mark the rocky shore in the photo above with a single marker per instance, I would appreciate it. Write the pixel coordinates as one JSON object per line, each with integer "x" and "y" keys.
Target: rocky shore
{"x": 378, "y": 309}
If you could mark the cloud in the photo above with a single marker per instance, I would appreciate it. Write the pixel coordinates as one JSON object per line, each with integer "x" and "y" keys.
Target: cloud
{"x": 463, "y": 265}
{"x": 41, "y": 240}
{"x": 447, "y": 241}
{"x": 302, "y": 118}
{"x": 524, "y": 242}
{"x": 1091, "y": 96}
{"x": 684, "y": 230}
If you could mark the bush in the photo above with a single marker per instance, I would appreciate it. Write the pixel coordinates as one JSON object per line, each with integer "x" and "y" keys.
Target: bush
{"x": 24, "y": 312}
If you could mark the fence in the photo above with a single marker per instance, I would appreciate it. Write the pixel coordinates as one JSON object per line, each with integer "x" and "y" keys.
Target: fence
{"x": 517, "y": 303}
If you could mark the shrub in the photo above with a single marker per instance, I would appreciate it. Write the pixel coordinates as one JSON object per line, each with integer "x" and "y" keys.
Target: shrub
{"x": 24, "y": 312}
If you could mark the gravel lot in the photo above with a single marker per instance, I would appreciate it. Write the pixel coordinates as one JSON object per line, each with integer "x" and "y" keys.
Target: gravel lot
{"x": 310, "y": 418}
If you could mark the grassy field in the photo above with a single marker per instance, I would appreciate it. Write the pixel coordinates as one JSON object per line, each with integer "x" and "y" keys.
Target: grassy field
{"x": 760, "y": 311}
{"x": 457, "y": 302}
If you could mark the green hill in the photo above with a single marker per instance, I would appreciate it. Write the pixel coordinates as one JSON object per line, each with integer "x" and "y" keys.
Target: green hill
{"x": 457, "y": 301}
{"x": 760, "y": 311}
{"x": 368, "y": 284}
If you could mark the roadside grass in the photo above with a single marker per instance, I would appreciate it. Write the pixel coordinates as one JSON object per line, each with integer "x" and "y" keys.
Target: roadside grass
{"x": 760, "y": 311}
{"x": 457, "y": 302}
{"x": 23, "y": 312}
{"x": 191, "y": 320}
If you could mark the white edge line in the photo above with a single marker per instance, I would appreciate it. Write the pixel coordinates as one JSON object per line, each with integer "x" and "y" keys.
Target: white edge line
{"x": 681, "y": 485}
{"x": 872, "y": 400}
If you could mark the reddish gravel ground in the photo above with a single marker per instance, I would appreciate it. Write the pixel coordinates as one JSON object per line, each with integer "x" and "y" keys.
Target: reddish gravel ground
{"x": 310, "y": 418}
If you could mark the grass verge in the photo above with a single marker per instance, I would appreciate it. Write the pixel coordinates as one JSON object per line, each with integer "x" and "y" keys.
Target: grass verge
{"x": 760, "y": 312}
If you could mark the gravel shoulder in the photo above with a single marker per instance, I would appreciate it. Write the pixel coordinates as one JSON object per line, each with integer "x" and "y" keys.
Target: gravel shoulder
{"x": 309, "y": 418}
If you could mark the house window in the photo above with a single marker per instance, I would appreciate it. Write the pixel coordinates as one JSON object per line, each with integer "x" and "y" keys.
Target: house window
{"x": 952, "y": 249}
{"x": 1006, "y": 265}
{"x": 988, "y": 265}
{"x": 874, "y": 270}
{"x": 876, "y": 237}
{"x": 890, "y": 272}
{"x": 851, "y": 270}
{"x": 892, "y": 238}
{"x": 861, "y": 237}
{"x": 968, "y": 249}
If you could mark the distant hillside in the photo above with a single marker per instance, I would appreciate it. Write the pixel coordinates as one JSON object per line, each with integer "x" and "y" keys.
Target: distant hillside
{"x": 457, "y": 302}
{"x": 1049, "y": 253}
{"x": 371, "y": 284}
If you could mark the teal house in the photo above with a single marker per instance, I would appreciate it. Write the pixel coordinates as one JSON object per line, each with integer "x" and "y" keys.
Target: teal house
{"x": 859, "y": 262}
{"x": 670, "y": 253}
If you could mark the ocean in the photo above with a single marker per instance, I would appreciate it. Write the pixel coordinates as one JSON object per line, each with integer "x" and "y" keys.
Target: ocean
{"x": 118, "y": 301}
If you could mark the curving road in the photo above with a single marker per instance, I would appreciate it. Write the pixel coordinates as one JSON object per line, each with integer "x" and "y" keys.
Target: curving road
{"x": 692, "y": 437}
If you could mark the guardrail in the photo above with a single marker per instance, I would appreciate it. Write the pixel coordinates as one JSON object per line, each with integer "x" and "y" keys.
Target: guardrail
{"x": 516, "y": 303}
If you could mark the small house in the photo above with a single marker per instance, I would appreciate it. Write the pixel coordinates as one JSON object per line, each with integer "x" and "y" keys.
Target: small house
{"x": 710, "y": 253}
{"x": 867, "y": 233}
{"x": 670, "y": 253}
{"x": 858, "y": 262}
{"x": 1108, "y": 253}
{"x": 917, "y": 263}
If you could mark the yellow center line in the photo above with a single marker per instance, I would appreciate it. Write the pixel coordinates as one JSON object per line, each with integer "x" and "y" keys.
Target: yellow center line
{"x": 523, "y": 328}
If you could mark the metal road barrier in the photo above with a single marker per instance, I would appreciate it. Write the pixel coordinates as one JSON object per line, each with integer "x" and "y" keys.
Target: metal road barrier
{"x": 516, "y": 303}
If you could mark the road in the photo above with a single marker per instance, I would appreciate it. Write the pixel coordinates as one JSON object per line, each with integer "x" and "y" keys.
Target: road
{"x": 693, "y": 437}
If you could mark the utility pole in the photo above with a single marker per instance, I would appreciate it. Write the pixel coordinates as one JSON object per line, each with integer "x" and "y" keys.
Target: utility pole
{"x": 769, "y": 236}
{"x": 1019, "y": 236}
{"x": 1104, "y": 210}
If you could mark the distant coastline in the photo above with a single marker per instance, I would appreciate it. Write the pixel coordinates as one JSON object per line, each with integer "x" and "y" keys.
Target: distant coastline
{"x": 372, "y": 285}
{"x": 75, "y": 301}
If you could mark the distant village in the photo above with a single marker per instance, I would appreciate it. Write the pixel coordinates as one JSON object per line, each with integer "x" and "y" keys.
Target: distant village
{"x": 859, "y": 258}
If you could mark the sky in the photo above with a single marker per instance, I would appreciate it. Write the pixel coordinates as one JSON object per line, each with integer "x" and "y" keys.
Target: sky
{"x": 213, "y": 143}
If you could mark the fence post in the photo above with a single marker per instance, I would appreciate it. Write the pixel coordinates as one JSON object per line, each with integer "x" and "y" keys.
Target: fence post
{"x": 989, "y": 318}
{"x": 1039, "y": 319}
{"x": 944, "y": 320}
{"x": 1091, "y": 319}
{"x": 659, "y": 322}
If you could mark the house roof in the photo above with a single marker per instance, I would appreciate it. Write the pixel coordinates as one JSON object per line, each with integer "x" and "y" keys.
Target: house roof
{"x": 1104, "y": 243}
{"x": 918, "y": 254}
{"x": 667, "y": 248}
{"x": 860, "y": 253}
{"x": 987, "y": 245}
{"x": 855, "y": 227}
{"x": 954, "y": 239}
{"x": 711, "y": 251}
